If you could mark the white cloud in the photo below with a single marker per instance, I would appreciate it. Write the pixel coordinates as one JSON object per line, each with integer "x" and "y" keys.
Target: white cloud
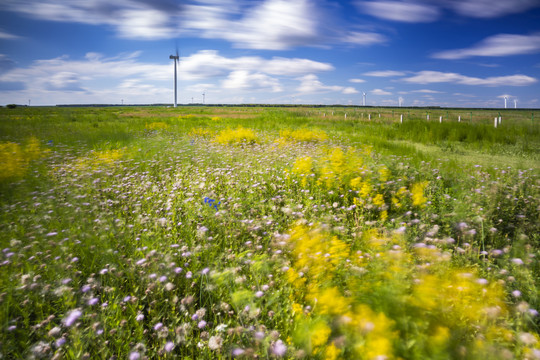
{"x": 357, "y": 80}
{"x": 349, "y": 90}
{"x": 311, "y": 84}
{"x": 497, "y": 45}
{"x": 208, "y": 63}
{"x": 7, "y": 36}
{"x": 364, "y": 38}
{"x": 418, "y": 11}
{"x": 385, "y": 73}
{"x": 93, "y": 77}
{"x": 379, "y": 92}
{"x": 429, "y": 77}
{"x": 261, "y": 24}
{"x": 135, "y": 19}
{"x": 490, "y": 8}
{"x": 427, "y": 91}
{"x": 244, "y": 80}
{"x": 400, "y": 11}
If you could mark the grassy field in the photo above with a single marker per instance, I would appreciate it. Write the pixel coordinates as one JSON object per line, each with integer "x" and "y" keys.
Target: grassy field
{"x": 254, "y": 232}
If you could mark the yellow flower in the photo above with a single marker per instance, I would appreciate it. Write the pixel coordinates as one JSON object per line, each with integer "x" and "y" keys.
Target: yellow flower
{"x": 302, "y": 135}
{"x": 320, "y": 334}
{"x": 417, "y": 191}
{"x": 378, "y": 200}
{"x": 159, "y": 125}
{"x": 331, "y": 352}
{"x": 239, "y": 135}
{"x": 14, "y": 159}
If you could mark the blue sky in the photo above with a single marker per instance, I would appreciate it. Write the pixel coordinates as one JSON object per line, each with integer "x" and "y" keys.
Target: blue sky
{"x": 459, "y": 53}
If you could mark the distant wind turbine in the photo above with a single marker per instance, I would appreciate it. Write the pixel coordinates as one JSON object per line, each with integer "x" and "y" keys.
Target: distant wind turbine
{"x": 505, "y": 98}
{"x": 176, "y": 59}
{"x": 203, "y": 95}
{"x": 364, "y": 99}
{"x": 515, "y": 103}
{"x": 400, "y": 101}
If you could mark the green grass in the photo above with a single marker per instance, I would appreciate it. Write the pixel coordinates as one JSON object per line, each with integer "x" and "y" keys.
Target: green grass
{"x": 125, "y": 235}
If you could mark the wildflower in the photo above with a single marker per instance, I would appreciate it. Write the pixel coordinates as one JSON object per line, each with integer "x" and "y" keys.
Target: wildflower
{"x": 517, "y": 261}
{"x": 238, "y": 352}
{"x": 60, "y": 342}
{"x": 215, "y": 342}
{"x": 169, "y": 346}
{"x": 72, "y": 317}
{"x": 221, "y": 327}
{"x": 55, "y": 332}
{"x": 201, "y": 324}
{"x": 278, "y": 349}
{"x": 158, "y": 326}
{"x": 139, "y": 317}
{"x": 41, "y": 350}
{"x": 134, "y": 355}
{"x": 417, "y": 191}
{"x": 93, "y": 301}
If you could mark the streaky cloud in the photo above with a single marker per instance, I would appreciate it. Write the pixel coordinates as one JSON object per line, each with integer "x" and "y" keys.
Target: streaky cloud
{"x": 496, "y": 45}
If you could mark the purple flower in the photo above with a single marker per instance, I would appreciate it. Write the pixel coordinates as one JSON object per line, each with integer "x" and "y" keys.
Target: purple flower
{"x": 238, "y": 352}
{"x": 71, "y": 317}
{"x": 127, "y": 298}
{"x": 259, "y": 294}
{"x": 201, "y": 324}
{"x": 60, "y": 342}
{"x": 158, "y": 326}
{"x": 86, "y": 288}
{"x": 279, "y": 348}
{"x": 163, "y": 278}
{"x": 93, "y": 301}
{"x": 178, "y": 270}
{"x": 169, "y": 346}
{"x": 139, "y": 317}
{"x": 134, "y": 355}
{"x": 189, "y": 275}
{"x": 205, "y": 271}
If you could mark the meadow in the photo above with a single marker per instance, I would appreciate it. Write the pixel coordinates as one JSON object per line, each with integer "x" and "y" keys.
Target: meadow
{"x": 261, "y": 232}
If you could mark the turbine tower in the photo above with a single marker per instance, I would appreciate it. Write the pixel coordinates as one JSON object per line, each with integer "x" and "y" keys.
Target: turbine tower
{"x": 364, "y": 99}
{"x": 203, "y": 95}
{"x": 505, "y": 98}
{"x": 176, "y": 58}
{"x": 515, "y": 103}
{"x": 400, "y": 101}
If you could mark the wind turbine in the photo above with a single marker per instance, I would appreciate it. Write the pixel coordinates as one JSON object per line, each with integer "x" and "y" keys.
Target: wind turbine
{"x": 515, "y": 103}
{"x": 505, "y": 98}
{"x": 203, "y": 95}
{"x": 364, "y": 99}
{"x": 400, "y": 101}
{"x": 176, "y": 58}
